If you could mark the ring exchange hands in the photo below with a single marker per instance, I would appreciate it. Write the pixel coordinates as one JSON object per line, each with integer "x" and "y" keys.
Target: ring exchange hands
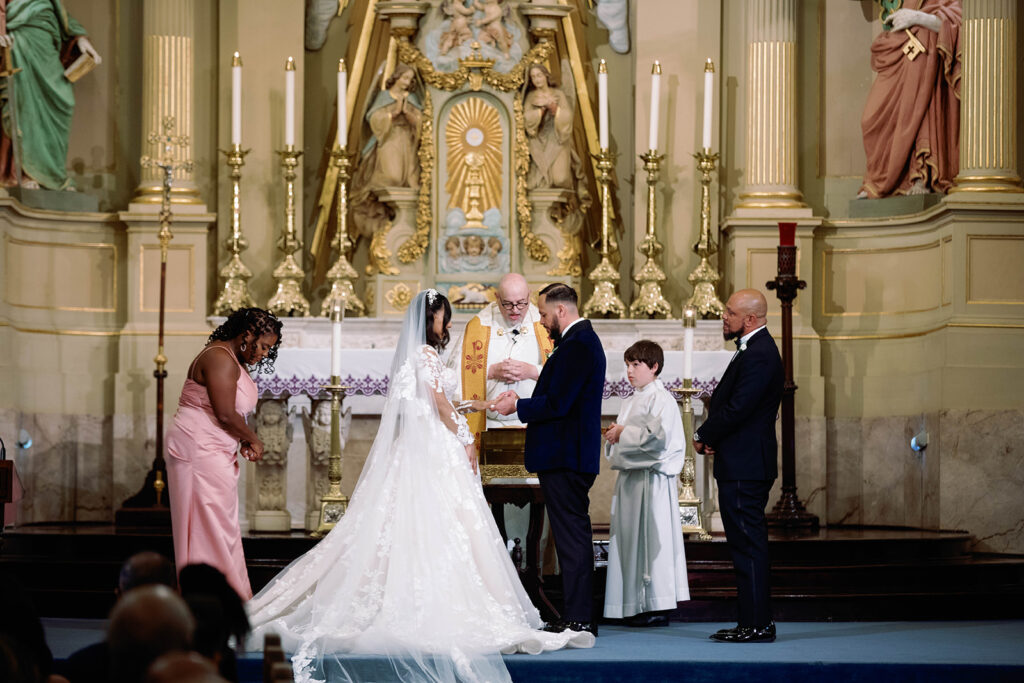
{"x": 505, "y": 404}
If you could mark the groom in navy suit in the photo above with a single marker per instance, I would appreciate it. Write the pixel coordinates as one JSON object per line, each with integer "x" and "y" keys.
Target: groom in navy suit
{"x": 563, "y": 443}
{"x": 740, "y": 433}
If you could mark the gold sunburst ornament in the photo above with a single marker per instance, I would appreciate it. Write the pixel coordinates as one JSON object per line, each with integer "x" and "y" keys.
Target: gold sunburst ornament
{"x": 474, "y": 138}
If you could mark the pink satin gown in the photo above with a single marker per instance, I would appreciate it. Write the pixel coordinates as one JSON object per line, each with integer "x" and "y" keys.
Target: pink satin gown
{"x": 202, "y": 473}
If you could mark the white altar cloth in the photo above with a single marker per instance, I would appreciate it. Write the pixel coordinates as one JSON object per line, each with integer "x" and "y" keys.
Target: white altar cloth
{"x": 299, "y": 371}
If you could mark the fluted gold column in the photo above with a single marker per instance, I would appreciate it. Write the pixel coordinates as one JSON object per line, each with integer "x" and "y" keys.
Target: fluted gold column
{"x": 771, "y": 107}
{"x": 167, "y": 28}
{"x": 988, "y": 98}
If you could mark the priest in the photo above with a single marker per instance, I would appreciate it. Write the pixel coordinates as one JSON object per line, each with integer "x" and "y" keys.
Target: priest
{"x": 502, "y": 348}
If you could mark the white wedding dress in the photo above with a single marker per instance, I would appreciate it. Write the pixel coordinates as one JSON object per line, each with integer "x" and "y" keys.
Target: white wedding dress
{"x": 415, "y": 573}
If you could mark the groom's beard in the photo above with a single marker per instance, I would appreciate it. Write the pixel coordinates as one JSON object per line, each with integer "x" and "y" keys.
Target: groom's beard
{"x": 735, "y": 334}
{"x": 555, "y": 332}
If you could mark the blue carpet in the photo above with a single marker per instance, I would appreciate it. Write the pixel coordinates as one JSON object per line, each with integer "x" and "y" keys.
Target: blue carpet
{"x": 868, "y": 652}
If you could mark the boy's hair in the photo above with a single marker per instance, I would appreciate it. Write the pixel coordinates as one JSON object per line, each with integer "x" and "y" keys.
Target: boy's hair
{"x": 648, "y": 353}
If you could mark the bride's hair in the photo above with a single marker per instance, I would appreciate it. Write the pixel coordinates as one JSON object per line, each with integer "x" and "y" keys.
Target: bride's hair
{"x": 433, "y": 304}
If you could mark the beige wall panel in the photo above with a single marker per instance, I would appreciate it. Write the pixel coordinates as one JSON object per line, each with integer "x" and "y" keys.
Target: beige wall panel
{"x": 180, "y": 297}
{"x": 62, "y": 277}
{"x": 884, "y": 281}
{"x": 995, "y": 269}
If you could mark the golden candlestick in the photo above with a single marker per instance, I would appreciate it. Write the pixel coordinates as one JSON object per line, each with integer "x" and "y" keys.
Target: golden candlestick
{"x": 690, "y": 513}
{"x": 650, "y": 302}
{"x": 342, "y": 273}
{"x": 235, "y": 294}
{"x": 334, "y": 503}
{"x": 704, "y": 277}
{"x": 605, "y": 299}
{"x": 288, "y": 300}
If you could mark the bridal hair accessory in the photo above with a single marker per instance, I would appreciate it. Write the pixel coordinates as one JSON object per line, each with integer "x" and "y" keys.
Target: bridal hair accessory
{"x": 431, "y": 295}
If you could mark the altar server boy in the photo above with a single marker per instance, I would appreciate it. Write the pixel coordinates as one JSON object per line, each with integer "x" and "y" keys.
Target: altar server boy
{"x": 646, "y": 443}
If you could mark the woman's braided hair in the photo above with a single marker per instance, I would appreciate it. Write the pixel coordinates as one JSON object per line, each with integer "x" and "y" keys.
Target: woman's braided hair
{"x": 258, "y": 322}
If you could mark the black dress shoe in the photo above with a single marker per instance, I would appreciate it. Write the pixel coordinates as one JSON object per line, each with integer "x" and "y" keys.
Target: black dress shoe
{"x": 555, "y": 626}
{"x": 647, "y": 620}
{"x": 746, "y": 634}
{"x": 590, "y": 626}
{"x": 720, "y": 631}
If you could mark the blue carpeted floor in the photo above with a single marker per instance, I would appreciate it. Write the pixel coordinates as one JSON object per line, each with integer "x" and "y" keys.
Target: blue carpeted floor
{"x": 869, "y": 652}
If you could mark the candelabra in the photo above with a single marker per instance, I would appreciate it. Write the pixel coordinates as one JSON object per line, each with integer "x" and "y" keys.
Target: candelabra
{"x": 235, "y": 294}
{"x": 690, "y": 513}
{"x": 605, "y": 300}
{"x": 704, "y": 277}
{"x": 148, "y": 506}
{"x": 288, "y": 299}
{"x": 334, "y": 503}
{"x": 650, "y": 302}
{"x": 342, "y": 273}
{"x": 789, "y": 511}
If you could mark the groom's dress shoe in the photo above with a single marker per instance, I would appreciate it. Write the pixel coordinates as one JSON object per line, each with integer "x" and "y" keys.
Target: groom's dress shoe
{"x": 559, "y": 626}
{"x": 746, "y": 634}
{"x": 720, "y": 631}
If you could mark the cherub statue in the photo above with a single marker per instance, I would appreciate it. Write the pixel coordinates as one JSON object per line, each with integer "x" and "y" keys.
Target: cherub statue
{"x": 274, "y": 431}
{"x": 492, "y": 30}
{"x": 458, "y": 31}
{"x": 271, "y": 493}
{"x": 318, "y": 430}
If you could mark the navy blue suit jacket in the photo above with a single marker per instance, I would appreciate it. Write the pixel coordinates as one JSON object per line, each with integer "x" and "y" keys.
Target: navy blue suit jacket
{"x": 744, "y": 407}
{"x": 563, "y": 417}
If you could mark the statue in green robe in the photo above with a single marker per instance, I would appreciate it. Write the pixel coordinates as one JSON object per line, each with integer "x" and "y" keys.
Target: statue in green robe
{"x": 36, "y": 100}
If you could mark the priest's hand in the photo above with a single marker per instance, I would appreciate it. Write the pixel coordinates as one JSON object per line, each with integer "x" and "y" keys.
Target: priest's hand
{"x": 505, "y": 404}
{"x": 613, "y": 432}
{"x": 511, "y": 370}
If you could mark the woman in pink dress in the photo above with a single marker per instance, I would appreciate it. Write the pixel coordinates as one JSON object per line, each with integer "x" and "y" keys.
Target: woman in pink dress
{"x": 209, "y": 431}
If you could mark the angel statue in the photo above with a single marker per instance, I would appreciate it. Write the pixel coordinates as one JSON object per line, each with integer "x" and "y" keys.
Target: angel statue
{"x": 458, "y": 31}
{"x": 492, "y": 30}
{"x": 389, "y": 157}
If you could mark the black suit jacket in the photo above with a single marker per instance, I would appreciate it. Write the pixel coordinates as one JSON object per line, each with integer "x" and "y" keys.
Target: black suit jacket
{"x": 563, "y": 417}
{"x": 744, "y": 407}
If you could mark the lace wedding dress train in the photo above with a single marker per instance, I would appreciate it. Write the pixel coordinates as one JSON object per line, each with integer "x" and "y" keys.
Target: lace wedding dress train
{"x": 415, "y": 573}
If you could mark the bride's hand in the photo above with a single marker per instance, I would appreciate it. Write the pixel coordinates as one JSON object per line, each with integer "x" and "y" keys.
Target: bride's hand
{"x": 474, "y": 459}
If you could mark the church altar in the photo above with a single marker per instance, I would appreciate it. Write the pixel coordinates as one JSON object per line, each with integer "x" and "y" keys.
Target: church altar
{"x": 282, "y": 491}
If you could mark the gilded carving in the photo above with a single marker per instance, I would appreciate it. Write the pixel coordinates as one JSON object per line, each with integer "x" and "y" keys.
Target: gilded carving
{"x": 399, "y": 296}
{"x": 474, "y": 138}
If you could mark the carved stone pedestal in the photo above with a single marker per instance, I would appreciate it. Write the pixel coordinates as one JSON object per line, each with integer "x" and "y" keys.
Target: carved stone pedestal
{"x": 274, "y": 429}
{"x": 549, "y": 210}
{"x": 384, "y": 253}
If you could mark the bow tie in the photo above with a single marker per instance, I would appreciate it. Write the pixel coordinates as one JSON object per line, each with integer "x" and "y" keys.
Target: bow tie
{"x": 738, "y": 342}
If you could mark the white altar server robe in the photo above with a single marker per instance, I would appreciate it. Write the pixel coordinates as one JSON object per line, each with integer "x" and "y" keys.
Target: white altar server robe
{"x": 646, "y": 562}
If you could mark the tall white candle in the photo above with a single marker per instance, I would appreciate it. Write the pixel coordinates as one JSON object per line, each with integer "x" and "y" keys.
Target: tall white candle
{"x": 236, "y": 100}
{"x": 689, "y": 327}
{"x": 602, "y": 104}
{"x": 336, "y": 318}
{"x": 342, "y": 105}
{"x": 709, "y": 86}
{"x": 688, "y": 353}
{"x": 289, "y": 102}
{"x": 655, "y": 96}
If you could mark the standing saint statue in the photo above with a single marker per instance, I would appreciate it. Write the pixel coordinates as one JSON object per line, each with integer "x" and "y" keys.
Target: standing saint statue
{"x": 911, "y": 120}
{"x": 37, "y": 100}
{"x": 389, "y": 157}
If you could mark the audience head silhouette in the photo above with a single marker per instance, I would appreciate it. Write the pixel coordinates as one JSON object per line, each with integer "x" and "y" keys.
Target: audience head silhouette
{"x": 145, "y": 623}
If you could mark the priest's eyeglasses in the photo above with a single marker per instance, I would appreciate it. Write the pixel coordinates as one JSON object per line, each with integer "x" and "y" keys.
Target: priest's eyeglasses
{"x": 514, "y": 305}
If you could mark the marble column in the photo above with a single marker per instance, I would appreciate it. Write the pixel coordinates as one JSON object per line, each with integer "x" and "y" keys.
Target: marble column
{"x": 771, "y": 154}
{"x": 988, "y": 98}
{"x": 167, "y": 76}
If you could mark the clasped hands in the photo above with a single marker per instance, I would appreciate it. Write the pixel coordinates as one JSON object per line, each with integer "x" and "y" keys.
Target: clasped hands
{"x": 505, "y": 403}
{"x": 511, "y": 370}
{"x": 252, "y": 450}
{"x": 703, "y": 448}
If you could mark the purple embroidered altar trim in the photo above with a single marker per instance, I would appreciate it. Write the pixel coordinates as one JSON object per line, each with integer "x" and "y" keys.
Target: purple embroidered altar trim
{"x": 276, "y": 387}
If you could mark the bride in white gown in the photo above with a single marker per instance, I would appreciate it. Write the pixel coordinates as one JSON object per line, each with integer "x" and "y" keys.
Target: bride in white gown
{"x": 416, "y": 570}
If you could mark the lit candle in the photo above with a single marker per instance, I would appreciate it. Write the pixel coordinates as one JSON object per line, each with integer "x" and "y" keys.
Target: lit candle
{"x": 236, "y": 100}
{"x": 602, "y": 104}
{"x": 655, "y": 96}
{"x": 787, "y": 234}
{"x": 337, "y": 315}
{"x": 289, "y": 102}
{"x": 342, "y": 105}
{"x": 709, "y": 87}
{"x": 689, "y": 325}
